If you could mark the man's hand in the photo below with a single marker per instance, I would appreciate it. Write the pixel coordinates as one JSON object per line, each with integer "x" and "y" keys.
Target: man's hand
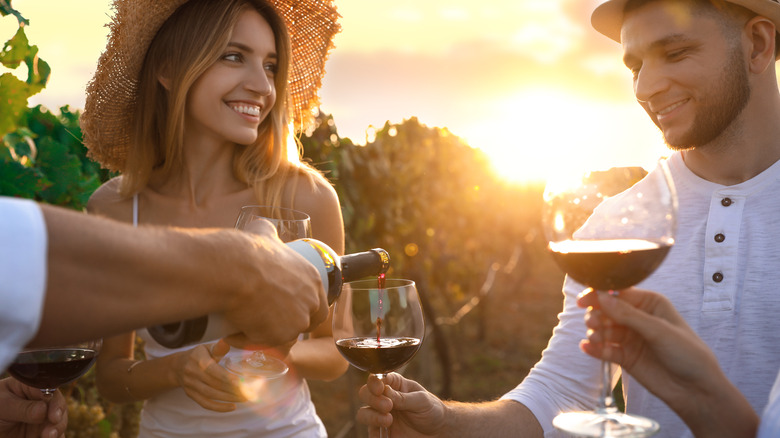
{"x": 26, "y": 412}
{"x": 282, "y": 294}
{"x": 402, "y": 405}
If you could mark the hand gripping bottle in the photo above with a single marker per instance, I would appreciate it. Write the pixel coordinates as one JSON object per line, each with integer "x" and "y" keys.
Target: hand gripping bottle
{"x": 334, "y": 272}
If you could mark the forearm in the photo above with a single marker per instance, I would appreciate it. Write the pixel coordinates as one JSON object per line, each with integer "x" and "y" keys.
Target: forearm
{"x": 718, "y": 410}
{"x": 124, "y": 380}
{"x": 500, "y": 418}
{"x": 105, "y": 278}
{"x": 318, "y": 359}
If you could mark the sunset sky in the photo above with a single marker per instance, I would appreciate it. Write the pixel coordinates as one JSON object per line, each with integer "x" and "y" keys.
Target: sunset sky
{"x": 528, "y": 81}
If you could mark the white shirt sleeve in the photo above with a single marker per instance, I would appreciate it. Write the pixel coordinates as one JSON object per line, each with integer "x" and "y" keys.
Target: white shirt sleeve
{"x": 565, "y": 379}
{"x": 23, "y": 249}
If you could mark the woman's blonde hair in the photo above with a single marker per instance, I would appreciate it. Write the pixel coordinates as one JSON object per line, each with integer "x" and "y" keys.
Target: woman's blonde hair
{"x": 189, "y": 42}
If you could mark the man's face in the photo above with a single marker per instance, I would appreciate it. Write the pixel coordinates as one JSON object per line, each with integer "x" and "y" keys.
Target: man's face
{"x": 688, "y": 76}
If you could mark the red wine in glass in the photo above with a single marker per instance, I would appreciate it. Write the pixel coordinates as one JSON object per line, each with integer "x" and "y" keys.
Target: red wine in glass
{"x": 609, "y": 264}
{"x": 378, "y": 356}
{"x": 378, "y": 325}
{"x": 49, "y": 368}
{"x": 609, "y": 230}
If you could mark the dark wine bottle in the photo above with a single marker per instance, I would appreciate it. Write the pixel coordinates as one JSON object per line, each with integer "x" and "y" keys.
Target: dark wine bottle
{"x": 334, "y": 271}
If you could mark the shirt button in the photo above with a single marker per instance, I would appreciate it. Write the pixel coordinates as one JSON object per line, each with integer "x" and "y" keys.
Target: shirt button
{"x": 717, "y": 277}
{"x": 720, "y": 237}
{"x": 725, "y": 202}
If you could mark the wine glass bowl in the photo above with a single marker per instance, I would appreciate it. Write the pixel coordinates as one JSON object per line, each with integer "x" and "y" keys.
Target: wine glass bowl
{"x": 609, "y": 230}
{"x": 49, "y": 368}
{"x": 290, "y": 225}
{"x": 378, "y": 325}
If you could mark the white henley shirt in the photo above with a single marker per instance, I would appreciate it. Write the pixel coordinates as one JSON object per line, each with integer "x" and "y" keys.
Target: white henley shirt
{"x": 722, "y": 275}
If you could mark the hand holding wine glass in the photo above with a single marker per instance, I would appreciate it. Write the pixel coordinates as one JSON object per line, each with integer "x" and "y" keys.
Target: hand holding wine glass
{"x": 378, "y": 325}
{"x": 26, "y": 411}
{"x": 608, "y": 238}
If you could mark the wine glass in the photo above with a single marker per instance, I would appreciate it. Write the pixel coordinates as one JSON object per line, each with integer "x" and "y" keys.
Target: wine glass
{"x": 378, "y": 325}
{"x": 609, "y": 232}
{"x": 49, "y": 368}
{"x": 290, "y": 225}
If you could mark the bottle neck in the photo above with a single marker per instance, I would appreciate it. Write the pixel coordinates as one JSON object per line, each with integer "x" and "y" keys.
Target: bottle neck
{"x": 364, "y": 264}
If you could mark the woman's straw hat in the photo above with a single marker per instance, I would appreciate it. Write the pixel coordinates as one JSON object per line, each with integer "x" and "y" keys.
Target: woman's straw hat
{"x": 111, "y": 93}
{"x": 607, "y": 18}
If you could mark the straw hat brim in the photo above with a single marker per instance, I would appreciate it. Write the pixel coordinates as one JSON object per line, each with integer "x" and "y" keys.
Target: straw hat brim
{"x": 111, "y": 94}
{"x": 607, "y": 18}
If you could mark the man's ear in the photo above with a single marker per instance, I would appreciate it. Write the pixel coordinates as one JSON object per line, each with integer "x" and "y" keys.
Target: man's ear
{"x": 762, "y": 33}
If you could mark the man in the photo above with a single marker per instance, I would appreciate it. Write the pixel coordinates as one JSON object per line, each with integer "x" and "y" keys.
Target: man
{"x": 705, "y": 73}
{"x": 66, "y": 277}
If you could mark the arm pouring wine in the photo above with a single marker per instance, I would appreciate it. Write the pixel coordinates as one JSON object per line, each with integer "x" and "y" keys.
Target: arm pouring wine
{"x": 334, "y": 271}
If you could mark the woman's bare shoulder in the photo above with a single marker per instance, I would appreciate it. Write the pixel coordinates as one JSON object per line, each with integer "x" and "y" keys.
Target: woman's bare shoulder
{"x": 315, "y": 193}
{"x": 318, "y": 198}
{"x": 107, "y": 201}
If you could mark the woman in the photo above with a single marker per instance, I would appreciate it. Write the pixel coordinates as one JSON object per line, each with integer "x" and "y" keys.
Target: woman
{"x": 195, "y": 116}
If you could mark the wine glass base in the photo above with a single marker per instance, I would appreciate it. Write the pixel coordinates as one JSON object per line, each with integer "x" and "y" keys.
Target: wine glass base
{"x": 270, "y": 368}
{"x": 605, "y": 424}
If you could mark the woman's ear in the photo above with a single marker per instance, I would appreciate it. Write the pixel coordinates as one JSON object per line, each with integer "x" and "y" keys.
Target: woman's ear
{"x": 761, "y": 33}
{"x": 165, "y": 82}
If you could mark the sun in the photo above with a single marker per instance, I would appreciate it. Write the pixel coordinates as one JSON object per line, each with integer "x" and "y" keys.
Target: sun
{"x": 535, "y": 133}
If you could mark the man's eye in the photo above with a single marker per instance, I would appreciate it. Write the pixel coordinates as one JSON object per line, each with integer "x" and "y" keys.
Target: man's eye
{"x": 677, "y": 54}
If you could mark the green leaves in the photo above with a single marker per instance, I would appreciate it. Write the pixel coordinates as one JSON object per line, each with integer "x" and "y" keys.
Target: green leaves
{"x": 44, "y": 159}
{"x": 18, "y": 50}
{"x": 6, "y": 9}
{"x": 13, "y": 102}
{"x": 41, "y": 156}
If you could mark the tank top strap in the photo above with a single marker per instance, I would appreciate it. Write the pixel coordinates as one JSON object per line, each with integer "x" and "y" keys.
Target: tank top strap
{"x": 135, "y": 210}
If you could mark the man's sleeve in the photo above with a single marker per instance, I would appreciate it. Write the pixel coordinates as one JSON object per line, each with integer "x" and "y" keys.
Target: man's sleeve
{"x": 23, "y": 255}
{"x": 565, "y": 379}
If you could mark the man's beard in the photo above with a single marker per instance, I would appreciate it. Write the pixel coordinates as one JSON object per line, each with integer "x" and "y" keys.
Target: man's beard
{"x": 725, "y": 102}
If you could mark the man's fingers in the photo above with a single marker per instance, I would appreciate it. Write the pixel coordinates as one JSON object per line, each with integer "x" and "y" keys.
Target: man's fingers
{"x": 608, "y": 352}
{"x": 370, "y": 417}
{"x": 320, "y": 314}
{"x": 24, "y": 411}
{"x": 375, "y": 399}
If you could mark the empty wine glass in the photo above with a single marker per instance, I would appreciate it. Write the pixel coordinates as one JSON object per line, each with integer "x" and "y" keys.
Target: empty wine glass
{"x": 609, "y": 230}
{"x": 49, "y": 368}
{"x": 290, "y": 225}
{"x": 378, "y": 325}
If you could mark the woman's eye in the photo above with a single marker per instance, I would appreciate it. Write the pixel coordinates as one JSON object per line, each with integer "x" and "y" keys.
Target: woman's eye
{"x": 271, "y": 67}
{"x": 233, "y": 57}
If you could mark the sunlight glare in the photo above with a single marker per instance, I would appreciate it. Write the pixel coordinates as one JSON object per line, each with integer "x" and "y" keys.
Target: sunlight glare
{"x": 537, "y": 133}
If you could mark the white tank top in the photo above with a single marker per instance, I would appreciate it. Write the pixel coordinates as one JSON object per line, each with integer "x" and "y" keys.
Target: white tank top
{"x": 283, "y": 409}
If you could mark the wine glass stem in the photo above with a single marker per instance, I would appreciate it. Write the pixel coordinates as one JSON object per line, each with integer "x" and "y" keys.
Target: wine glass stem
{"x": 607, "y": 401}
{"x": 383, "y": 432}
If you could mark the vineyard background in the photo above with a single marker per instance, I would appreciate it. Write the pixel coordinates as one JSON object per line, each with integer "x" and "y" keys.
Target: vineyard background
{"x": 469, "y": 239}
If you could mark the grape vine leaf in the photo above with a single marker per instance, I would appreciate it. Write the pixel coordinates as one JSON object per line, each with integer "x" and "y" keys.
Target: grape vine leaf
{"x": 13, "y": 95}
{"x": 16, "y": 50}
{"x": 7, "y": 9}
